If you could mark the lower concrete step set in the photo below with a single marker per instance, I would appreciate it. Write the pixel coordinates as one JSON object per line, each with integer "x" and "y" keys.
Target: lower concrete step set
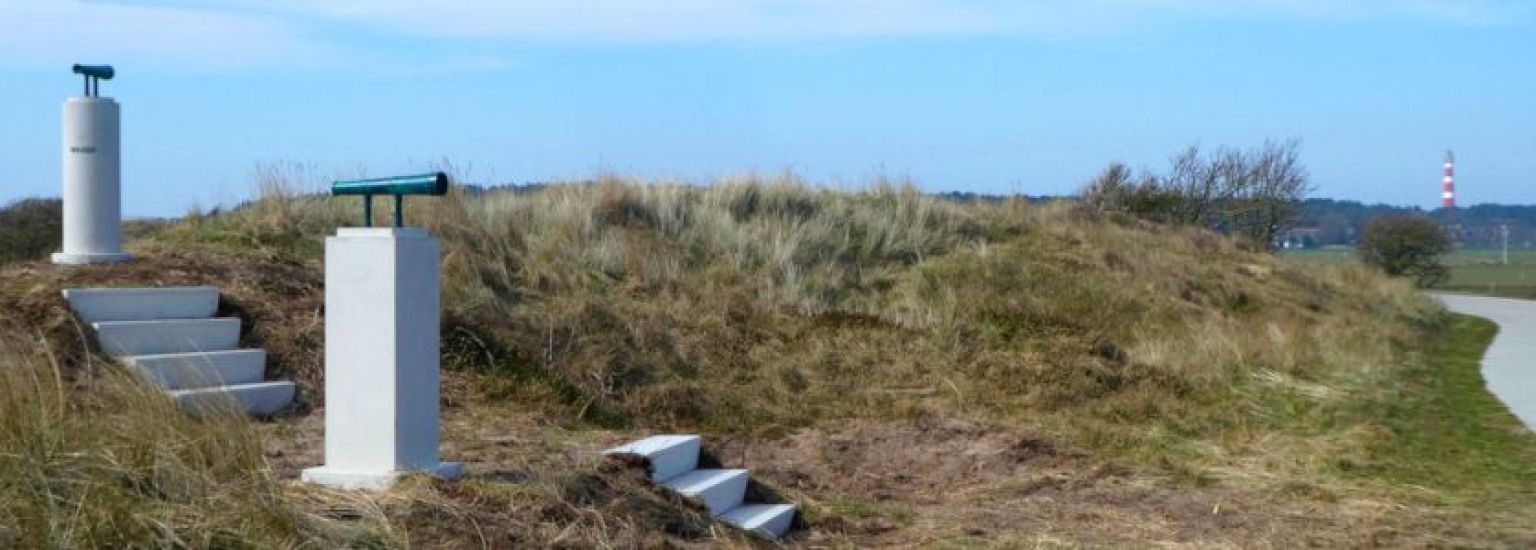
{"x": 170, "y": 336}
{"x": 673, "y": 462}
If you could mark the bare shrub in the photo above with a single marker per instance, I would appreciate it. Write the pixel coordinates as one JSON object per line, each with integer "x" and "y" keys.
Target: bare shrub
{"x": 1255, "y": 193}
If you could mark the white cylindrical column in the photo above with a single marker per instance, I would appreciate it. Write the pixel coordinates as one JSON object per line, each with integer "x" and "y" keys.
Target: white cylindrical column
{"x": 92, "y": 182}
{"x": 382, "y": 307}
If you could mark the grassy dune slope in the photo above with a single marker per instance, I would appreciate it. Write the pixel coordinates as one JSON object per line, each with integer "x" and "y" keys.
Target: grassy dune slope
{"x": 912, "y": 371}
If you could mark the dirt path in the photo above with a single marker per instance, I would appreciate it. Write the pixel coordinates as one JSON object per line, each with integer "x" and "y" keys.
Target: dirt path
{"x": 1509, "y": 365}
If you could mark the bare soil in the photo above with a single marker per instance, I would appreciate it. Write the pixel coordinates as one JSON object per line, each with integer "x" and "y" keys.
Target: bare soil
{"x": 921, "y": 483}
{"x": 944, "y": 481}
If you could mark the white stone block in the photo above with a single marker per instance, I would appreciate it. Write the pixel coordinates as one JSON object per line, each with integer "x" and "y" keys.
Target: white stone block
{"x": 382, "y": 310}
{"x": 770, "y": 520}
{"x": 142, "y": 304}
{"x": 92, "y": 182}
{"x": 719, "y": 490}
{"x": 122, "y": 338}
{"x": 177, "y": 371}
{"x": 260, "y": 398}
{"x": 667, "y": 456}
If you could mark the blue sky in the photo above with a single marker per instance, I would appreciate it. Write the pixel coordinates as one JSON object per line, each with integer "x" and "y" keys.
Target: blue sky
{"x": 977, "y": 95}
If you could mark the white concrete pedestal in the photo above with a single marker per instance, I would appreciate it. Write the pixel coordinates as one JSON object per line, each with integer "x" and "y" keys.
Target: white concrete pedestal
{"x": 92, "y": 183}
{"x": 381, "y": 358}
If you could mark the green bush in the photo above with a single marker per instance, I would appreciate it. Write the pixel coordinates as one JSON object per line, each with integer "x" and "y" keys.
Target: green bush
{"x": 30, "y": 229}
{"x": 1406, "y": 246}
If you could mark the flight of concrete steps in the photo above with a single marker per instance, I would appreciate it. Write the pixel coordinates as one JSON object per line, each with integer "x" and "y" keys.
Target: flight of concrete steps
{"x": 673, "y": 462}
{"x": 169, "y": 336}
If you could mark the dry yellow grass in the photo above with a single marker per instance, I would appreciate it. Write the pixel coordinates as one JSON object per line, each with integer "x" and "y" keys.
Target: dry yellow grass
{"x": 1076, "y": 371}
{"x": 100, "y": 460}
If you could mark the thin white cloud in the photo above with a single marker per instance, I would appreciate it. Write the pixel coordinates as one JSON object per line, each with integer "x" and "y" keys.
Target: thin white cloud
{"x": 212, "y": 34}
{"x": 52, "y": 33}
{"x": 665, "y": 20}
{"x": 714, "y": 20}
{"x": 1455, "y": 12}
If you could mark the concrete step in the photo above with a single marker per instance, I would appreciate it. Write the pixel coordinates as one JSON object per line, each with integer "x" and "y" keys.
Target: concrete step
{"x": 259, "y": 399}
{"x": 143, "y": 304}
{"x": 769, "y": 520}
{"x": 667, "y": 456}
{"x": 719, "y": 490}
{"x": 177, "y": 371}
{"x": 672, "y": 461}
{"x": 123, "y": 338}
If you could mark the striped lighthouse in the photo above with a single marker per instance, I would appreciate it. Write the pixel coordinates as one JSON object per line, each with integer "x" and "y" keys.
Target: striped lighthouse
{"x": 1448, "y": 195}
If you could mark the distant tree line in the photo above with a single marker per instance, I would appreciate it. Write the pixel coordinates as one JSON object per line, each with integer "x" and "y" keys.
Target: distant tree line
{"x": 1328, "y": 222}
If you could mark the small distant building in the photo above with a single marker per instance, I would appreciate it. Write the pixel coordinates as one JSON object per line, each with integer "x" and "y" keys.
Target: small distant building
{"x": 1300, "y": 237}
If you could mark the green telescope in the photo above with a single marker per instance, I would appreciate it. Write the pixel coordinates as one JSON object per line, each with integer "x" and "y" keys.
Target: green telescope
{"x": 435, "y": 183}
{"x": 94, "y": 74}
{"x": 103, "y": 72}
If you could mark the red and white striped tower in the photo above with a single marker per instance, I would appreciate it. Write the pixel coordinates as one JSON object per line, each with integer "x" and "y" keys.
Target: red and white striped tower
{"x": 1448, "y": 196}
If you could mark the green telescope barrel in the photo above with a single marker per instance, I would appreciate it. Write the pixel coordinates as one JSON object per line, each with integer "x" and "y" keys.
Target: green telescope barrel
{"x": 435, "y": 183}
{"x": 421, "y": 184}
{"x": 103, "y": 72}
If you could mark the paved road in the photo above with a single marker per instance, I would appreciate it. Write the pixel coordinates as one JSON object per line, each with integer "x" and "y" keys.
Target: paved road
{"x": 1509, "y": 365}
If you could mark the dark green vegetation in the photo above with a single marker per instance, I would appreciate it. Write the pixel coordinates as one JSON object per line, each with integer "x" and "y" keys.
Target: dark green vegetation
{"x": 913, "y": 371}
{"x": 1329, "y": 222}
{"x": 30, "y": 229}
{"x": 1406, "y": 246}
